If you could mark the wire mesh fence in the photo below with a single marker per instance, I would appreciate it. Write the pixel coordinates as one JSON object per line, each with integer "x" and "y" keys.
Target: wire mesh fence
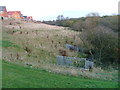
{"x": 76, "y": 62}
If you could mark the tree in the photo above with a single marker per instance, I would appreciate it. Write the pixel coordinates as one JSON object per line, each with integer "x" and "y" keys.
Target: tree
{"x": 60, "y": 17}
{"x": 67, "y": 23}
{"x": 59, "y": 20}
{"x": 101, "y": 39}
{"x": 92, "y": 20}
{"x": 104, "y": 42}
{"x": 111, "y": 22}
{"x": 79, "y": 25}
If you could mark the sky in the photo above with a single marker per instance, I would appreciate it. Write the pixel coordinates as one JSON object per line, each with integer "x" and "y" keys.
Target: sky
{"x": 50, "y": 9}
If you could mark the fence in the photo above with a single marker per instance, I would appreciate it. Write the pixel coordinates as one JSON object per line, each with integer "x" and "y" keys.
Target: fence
{"x": 73, "y": 61}
{"x": 75, "y": 48}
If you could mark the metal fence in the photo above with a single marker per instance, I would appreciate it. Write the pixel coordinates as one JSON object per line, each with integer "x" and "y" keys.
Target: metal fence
{"x": 75, "y": 48}
{"x": 76, "y": 62}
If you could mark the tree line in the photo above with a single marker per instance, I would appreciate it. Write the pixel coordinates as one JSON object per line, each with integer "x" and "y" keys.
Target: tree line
{"x": 99, "y": 35}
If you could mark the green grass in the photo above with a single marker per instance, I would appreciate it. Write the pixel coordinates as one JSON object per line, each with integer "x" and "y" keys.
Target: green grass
{"x": 7, "y": 44}
{"x": 0, "y": 74}
{"x": 16, "y": 76}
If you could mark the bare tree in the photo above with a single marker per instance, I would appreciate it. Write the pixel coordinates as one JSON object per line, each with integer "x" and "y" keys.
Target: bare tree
{"x": 92, "y": 20}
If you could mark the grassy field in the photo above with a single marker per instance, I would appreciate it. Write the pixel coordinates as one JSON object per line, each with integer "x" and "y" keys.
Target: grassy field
{"x": 43, "y": 43}
{"x": 16, "y": 76}
{"x": 0, "y": 74}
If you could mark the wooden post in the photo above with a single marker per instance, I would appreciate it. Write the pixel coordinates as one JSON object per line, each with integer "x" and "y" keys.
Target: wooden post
{"x": 17, "y": 56}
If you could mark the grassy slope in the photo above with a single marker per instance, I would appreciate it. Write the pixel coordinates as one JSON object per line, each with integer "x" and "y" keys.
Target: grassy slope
{"x": 0, "y": 74}
{"x": 42, "y": 49}
{"x": 15, "y": 76}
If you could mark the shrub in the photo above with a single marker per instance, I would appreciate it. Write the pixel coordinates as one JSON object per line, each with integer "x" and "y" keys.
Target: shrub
{"x": 104, "y": 42}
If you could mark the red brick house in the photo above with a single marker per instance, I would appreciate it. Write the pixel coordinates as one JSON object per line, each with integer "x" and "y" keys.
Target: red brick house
{"x": 30, "y": 18}
{"x": 15, "y": 14}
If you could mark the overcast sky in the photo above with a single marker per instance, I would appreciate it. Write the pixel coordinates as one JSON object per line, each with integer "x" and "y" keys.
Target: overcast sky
{"x": 50, "y": 9}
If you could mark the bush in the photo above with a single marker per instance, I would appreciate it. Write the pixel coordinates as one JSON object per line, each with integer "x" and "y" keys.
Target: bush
{"x": 104, "y": 42}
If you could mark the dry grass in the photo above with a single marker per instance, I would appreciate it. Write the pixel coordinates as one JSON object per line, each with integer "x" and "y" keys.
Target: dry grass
{"x": 44, "y": 42}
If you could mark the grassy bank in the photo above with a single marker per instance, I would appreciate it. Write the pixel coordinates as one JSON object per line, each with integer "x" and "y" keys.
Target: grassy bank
{"x": 15, "y": 76}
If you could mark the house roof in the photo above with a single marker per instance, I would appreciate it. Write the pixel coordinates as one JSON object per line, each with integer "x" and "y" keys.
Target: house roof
{"x": 25, "y": 16}
{"x": 3, "y": 8}
{"x": 29, "y": 17}
{"x": 12, "y": 12}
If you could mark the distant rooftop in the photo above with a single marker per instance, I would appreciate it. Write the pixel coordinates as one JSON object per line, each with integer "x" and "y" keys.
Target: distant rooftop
{"x": 11, "y": 12}
{"x": 3, "y": 8}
